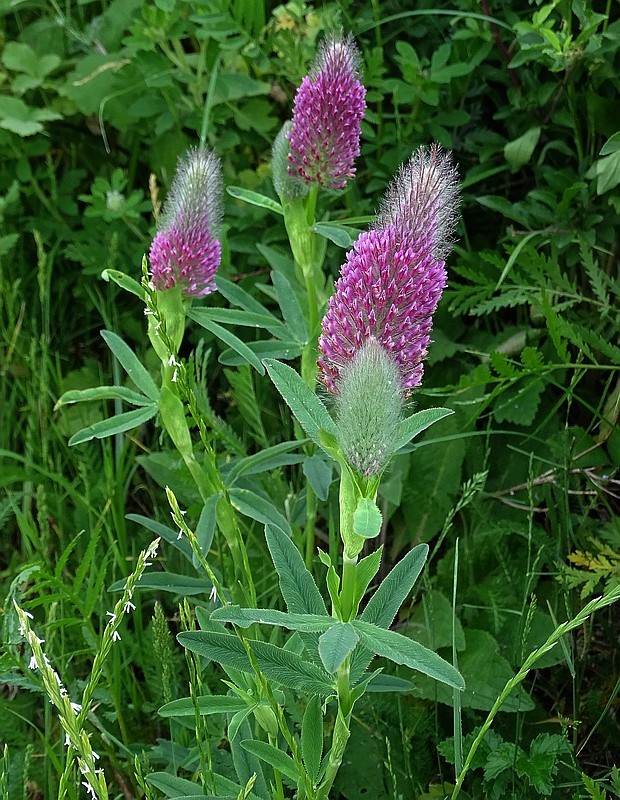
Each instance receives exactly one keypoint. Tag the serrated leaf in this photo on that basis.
(336, 644)
(303, 402)
(118, 424)
(367, 519)
(254, 198)
(312, 738)
(207, 704)
(271, 755)
(131, 364)
(414, 425)
(401, 650)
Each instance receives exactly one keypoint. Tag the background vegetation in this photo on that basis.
(97, 100)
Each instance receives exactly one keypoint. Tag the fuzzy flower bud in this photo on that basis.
(392, 280)
(369, 408)
(288, 187)
(329, 108)
(185, 252)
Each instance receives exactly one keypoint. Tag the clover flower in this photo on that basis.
(329, 108)
(393, 277)
(186, 252)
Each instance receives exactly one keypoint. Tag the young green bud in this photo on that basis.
(369, 408)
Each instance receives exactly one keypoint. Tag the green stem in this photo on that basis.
(347, 593)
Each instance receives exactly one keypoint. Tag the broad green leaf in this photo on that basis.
(247, 765)
(312, 738)
(297, 585)
(258, 508)
(519, 151)
(277, 664)
(264, 460)
(367, 519)
(173, 786)
(228, 338)
(124, 281)
(244, 617)
(207, 704)
(414, 425)
(319, 473)
(303, 402)
(118, 424)
(336, 644)
(103, 393)
(167, 534)
(392, 593)
(247, 319)
(184, 585)
(130, 363)
(254, 198)
(271, 755)
(338, 234)
(289, 305)
(401, 650)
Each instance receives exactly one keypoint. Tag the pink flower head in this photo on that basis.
(185, 252)
(392, 280)
(329, 108)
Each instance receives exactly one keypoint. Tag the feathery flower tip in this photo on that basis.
(329, 108)
(185, 252)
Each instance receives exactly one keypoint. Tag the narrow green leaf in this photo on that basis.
(319, 473)
(207, 704)
(103, 393)
(297, 585)
(258, 508)
(124, 281)
(312, 738)
(401, 650)
(416, 423)
(254, 198)
(303, 402)
(247, 319)
(289, 305)
(130, 363)
(365, 572)
(262, 350)
(244, 617)
(336, 644)
(118, 424)
(259, 462)
(167, 534)
(230, 339)
(271, 755)
(338, 234)
(237, 296)
(205, 529)
(184, 585)
(389, 683)
(367, 519)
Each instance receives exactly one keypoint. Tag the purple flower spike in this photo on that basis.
(185, 252)
(329, 108)
(393, 277)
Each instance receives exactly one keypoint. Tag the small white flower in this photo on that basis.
(175, 375)
(27, 614)
(89, 789)
(112, 615)
(179, 535)
(67, 740)
(76, 707)
(116, 637)
(213, 594)
(32, 663)
(129, 606)
(96, 757)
